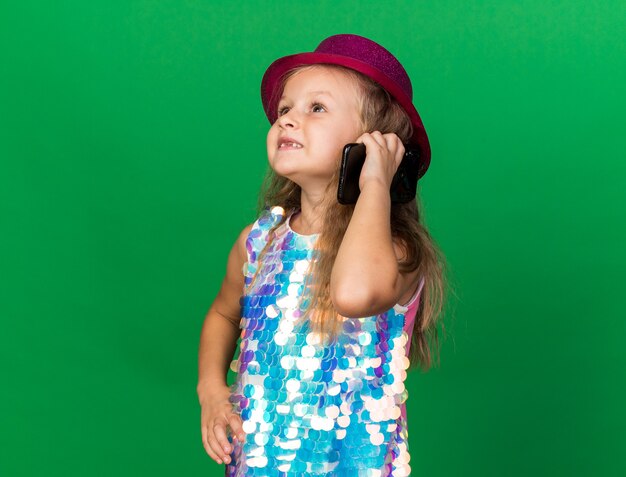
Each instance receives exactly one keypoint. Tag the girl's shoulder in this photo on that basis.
(258, 234)
(269, 217)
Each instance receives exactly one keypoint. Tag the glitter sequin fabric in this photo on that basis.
(310, 410)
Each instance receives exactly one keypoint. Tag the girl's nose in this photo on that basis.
(288, 119)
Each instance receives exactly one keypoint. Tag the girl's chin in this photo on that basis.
(285, 166)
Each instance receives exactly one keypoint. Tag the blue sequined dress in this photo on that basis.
(310, 410)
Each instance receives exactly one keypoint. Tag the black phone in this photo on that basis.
(403, 185)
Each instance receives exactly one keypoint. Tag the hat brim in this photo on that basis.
(279, 67)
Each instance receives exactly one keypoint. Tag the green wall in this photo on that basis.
(132, 147)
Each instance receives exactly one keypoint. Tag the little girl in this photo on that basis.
(325, 297)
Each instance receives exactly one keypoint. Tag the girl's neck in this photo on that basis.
(311, 216)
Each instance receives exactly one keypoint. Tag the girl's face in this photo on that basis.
(317, 116)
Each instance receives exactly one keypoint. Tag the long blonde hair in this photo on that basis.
(379, 112)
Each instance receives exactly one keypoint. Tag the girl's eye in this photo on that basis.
(314, 107)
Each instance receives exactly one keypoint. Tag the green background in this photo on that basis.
(132, 147)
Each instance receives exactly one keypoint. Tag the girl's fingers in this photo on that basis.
(395, 148)
(236, 426)
(369, 140)
(222, 440)
(218, 449)
(393, 143)
(386, 142)
(379, 138)
(386, 150)
(371, 144)
(207, 446)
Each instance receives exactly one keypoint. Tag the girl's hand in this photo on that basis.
(216, 416)
(383, 156)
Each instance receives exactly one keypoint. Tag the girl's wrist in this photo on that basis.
(375, 184)
(208, 387)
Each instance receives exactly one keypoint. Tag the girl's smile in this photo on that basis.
(287, 143)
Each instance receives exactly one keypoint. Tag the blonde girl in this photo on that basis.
(332, 303)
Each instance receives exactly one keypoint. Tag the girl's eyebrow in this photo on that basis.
(311, 93)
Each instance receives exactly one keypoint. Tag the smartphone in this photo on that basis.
(403, 185)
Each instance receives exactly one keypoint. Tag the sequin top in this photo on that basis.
(310, 410)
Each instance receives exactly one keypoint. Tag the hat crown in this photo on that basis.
(368, 51)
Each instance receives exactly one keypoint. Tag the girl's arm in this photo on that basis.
(217, 347)
(365, 279)
(221, 325)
